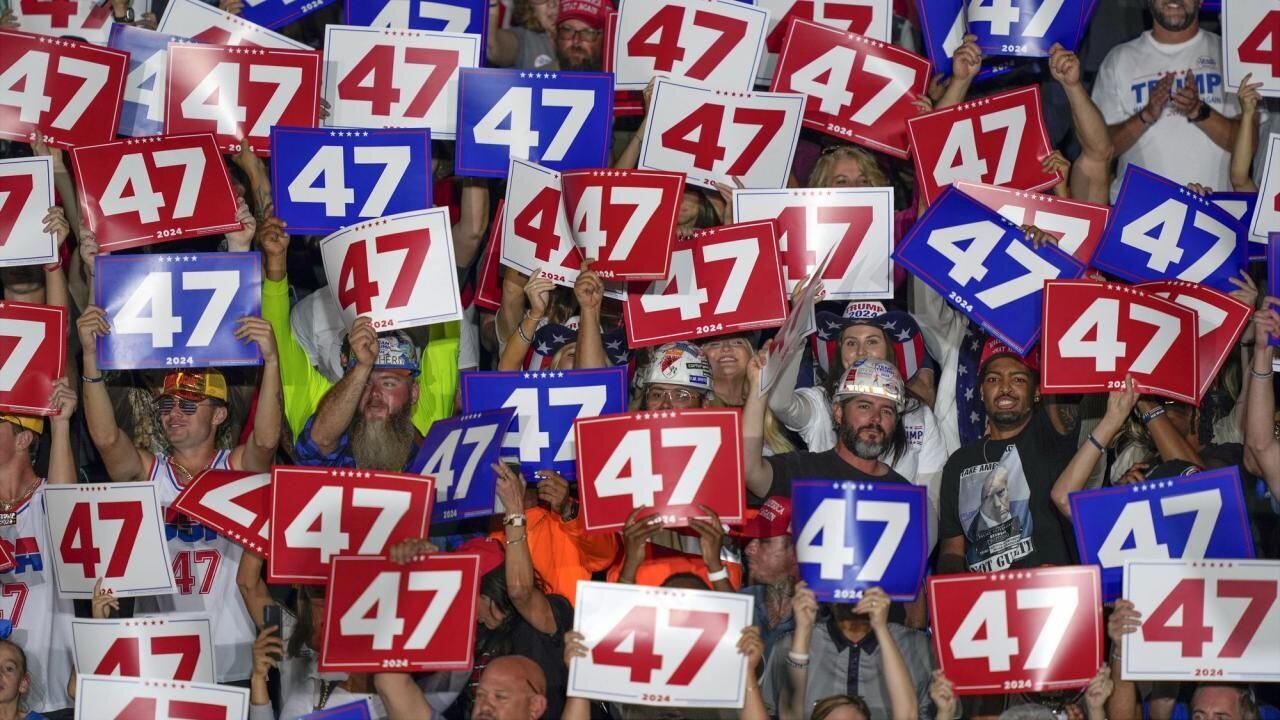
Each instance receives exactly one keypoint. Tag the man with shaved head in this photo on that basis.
(512, 687)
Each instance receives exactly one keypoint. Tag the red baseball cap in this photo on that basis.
(490, 551)
(592, 12)
(996, 349)
(773, 519)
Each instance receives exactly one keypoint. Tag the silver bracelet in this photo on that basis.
(1261, 376)
(520, 329)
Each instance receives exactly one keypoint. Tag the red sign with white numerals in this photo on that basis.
(141, 191)
(856, 88)
(233, 502)
(33, 355)
(416, 617)
(1077, 225)
(670, 461)
(489, 285)
(89, 20)
(1096, 333)
(7, 562)
(70, 91)
(717, 42)
(623, 221)
(108, 531)
(1220, 319)
(721, 280)
(998, 140)
(162, 648)
(240, 92)
(1018, 631)
(318, 514)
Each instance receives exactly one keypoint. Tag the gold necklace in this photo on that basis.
(8, 517)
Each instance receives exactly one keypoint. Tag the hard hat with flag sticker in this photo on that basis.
(869, 376)
(680, 363)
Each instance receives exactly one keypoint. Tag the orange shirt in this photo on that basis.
(563, 553)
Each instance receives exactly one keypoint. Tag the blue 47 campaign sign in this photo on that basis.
(177, 310)
(546, 403)
(326, 179)
(459, 452)
(1190, 517)
(142, 113)
(278, 13)
(358, 710)
(984, 265)
(1160, 230)
(943, 27)
(455, 16)
(1241, 206)
(1028, 27)
(560, 120)
(851, 536)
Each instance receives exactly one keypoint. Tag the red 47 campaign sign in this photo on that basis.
(70, 91)
(240, 92)
(398, 270)
(857, 222)
(716, 42)
(670, 461)
(1078, 225)
(1220, 319)
(141, 191)
(121, 698)
(232, 502)
(416, 617)
(721, 280)
(168, 648)
(1099, 332)
(112, 531)
(660, 646)
(1022, 630)
(997, 140)
(87, 19)
(322, 513)
(1203, 619)
(868, 18)
(26, 194)
(33, 355)
(855, 88)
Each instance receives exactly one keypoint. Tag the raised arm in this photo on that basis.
(253, 589)
(257, 454)
(897, 676)
(1263, 456)
(62, 462)
(538, 291)
(124, 461)
(339, 405)
(468, 233)
(522, 582)
(1124, 701)
(1073, 478)
(759, 473)
(630, 155)
(1091, 173)
(965, 64)
(259, 190)
(589, 291)
(1246, 137)
(791, 699)
(401, 696)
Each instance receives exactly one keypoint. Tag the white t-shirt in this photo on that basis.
(1172, 147)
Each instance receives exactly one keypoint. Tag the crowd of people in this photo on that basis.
(966, 420)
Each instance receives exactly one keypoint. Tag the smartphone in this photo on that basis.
(273, 615)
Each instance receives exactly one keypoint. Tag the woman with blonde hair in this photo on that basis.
(529, 43)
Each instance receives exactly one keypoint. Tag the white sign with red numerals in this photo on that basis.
(1021, 630)
(86, 19)
(120, 698)
(856, 88)
(715, 136)
(716, 42)
(1251, 45)
(69, 91)
(240, 92)
(33, 355)
(232, 502)
(321, 513)
(856, 222)
(670, 461)
(379, 77)
(1099, 332)
(1220, 319)
(164, 648)
(624, 221)
(207, 24)
(1266, 213)
(660, 646)
(868, 18)
(112, 531)
(398, 270)
(1077, 225)
(145, 190)
(535, 230)
(416, 617)
(722, 280)
(26, 194)
(997, 140)
(1203, 621)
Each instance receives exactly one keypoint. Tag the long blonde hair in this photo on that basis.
(867, 163)
(774, 438)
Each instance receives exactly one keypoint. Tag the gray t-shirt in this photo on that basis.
(534, 51)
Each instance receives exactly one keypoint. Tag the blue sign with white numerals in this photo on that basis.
(943, 28)
(142, 112)
(1189, 517)
(1160, 230)
(1241, 206)
(851, 536)
(358, 710)
(459, 452)
(177, 310)
(560, 120)
(278, 13)
(324, 179)
(1028, 28)
(985, 266)
(455, 16)
(546, 403)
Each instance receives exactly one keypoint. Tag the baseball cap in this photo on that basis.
(680, 363)
(490, 551)
(195, 384)
(773, 519)
(26, 422)
(995, 348)
(870, 376)
(592, 12)
(396, 351)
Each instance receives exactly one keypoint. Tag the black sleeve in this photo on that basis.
(949, 524)
(782, 474)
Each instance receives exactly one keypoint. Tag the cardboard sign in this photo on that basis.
(207, 24)
(715, 42)
(868, 18)
(1220, 320)
(466, 484)
(278, 13)
(1266, 214)
(143, 112)
(232, 502)
(1077, 225)
(1250, 33)
(33, 355)
(143, 699)
(26, 194)
(943, 27)
(87, 20)
(161, 648)
(451, 16)
(1028, 28)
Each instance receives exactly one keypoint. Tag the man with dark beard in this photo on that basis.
(580, 34)
(365, 421)
(1163, 97)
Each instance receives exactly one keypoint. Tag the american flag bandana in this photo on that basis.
(971, 412)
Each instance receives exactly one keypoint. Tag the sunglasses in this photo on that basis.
(166, 403)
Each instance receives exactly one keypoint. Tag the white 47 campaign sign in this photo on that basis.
(1251, 45)
(164, 648)
(398, 270)
(379, 77)
(856, 222)
(1208, 619)
(121, 698)
(204, 23)
(112, 531)
(717, 42)
(26, 194)
(660, 646)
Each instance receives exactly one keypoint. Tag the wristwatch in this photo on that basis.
(1202, 114)
(514, 520)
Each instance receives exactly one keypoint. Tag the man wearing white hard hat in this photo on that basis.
(678, 377)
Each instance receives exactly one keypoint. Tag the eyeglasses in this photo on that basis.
(589, 34)
(544, 2)
(167, 403)
(655, 396)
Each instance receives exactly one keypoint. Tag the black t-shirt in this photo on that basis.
(802, 465)
(996, 494)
